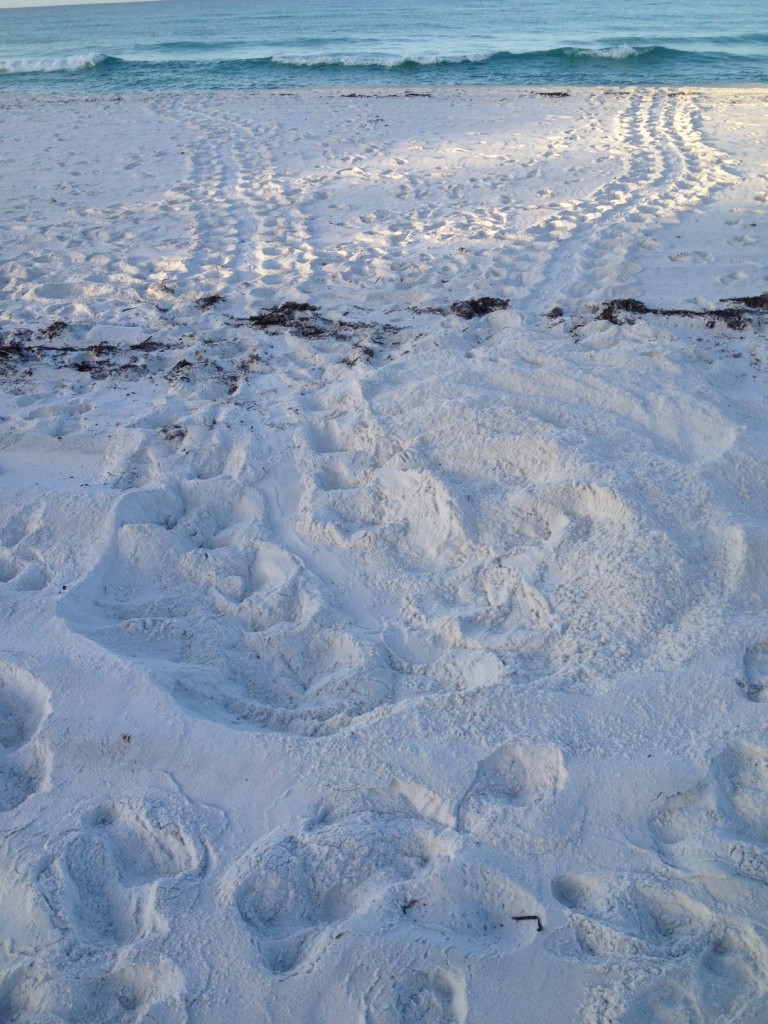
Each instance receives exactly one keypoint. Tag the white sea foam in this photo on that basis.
(619, 52)
(321, 60)
(44, 65)
(376, 60)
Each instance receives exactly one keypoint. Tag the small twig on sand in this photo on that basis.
(531, 917)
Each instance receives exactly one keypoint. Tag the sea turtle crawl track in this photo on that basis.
(666, 170)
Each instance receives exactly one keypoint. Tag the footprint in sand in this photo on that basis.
(721, 820)
(515, 776)
(129, 461)
(381, 874)
(124, 996)
(58, 419)
(133, 993)
(427, 996)
(407, 509)
(107, 885)
(24, 760)
(726, 982)
(370, 491)
(23, 568)
(646, 918)
(755, 674)
(234, 626)
(472, 904)
(714, 831)
(25, 995)
(21, 563)
(308, 887)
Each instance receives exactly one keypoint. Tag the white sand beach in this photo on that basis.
(371, 654)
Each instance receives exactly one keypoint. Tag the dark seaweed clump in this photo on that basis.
(734, 317)
(611, 309)
(751, 301)
(208, 302)
(299, 316)
(468, 309)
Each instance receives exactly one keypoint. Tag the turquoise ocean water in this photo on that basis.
(182, 45)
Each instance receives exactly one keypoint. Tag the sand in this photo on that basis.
(372, 655)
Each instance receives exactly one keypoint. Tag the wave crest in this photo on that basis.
(48, 65)
(620, 52)
(376, 61)
(209, 64)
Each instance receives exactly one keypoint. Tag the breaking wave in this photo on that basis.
(215, 66)
(49, 65)
(499, 57)
(620, 52)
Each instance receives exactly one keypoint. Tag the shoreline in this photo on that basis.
(385, 92)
